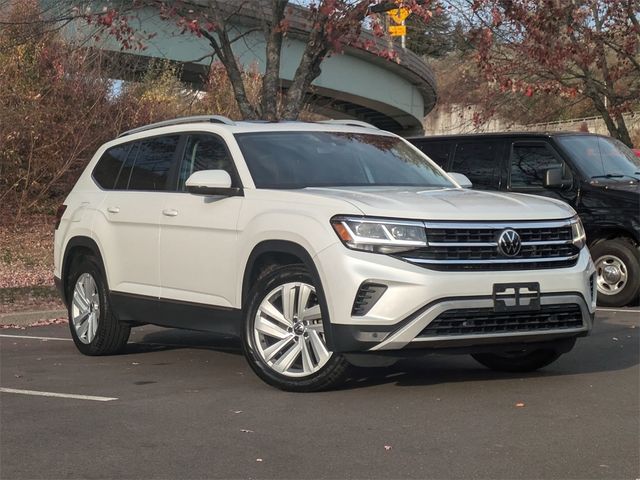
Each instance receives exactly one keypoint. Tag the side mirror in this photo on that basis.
(553, 178)
(461, 179)
(211, 182)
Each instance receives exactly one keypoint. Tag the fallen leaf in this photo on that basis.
(54, 321)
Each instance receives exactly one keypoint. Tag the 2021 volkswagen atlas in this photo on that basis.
(320, 244)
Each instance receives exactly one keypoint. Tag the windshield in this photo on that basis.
(600, 157)
(331, 159)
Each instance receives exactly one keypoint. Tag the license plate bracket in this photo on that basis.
(516, 297)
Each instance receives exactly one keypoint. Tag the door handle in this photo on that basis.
(170, 212)
(113, 209)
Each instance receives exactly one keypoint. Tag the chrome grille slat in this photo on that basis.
(521, 260)
(518, 225)
(474, 246)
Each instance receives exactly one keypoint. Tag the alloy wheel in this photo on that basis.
(288, 330)
(85, 308)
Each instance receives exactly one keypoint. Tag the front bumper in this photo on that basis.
(416, 296)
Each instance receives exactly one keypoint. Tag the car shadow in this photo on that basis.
(613, 345)
(173, 339)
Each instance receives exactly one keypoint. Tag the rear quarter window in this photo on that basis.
(108, 167)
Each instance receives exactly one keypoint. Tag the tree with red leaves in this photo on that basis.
(325, 26)
(571, 48)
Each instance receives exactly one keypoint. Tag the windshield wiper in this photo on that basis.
(617, 175)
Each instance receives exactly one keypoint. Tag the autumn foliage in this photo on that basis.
(58, 105)
(571, 49)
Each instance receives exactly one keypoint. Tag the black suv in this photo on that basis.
(597, 175)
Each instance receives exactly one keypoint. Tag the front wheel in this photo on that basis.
(517, 361)
(617, 264)
(283, 336)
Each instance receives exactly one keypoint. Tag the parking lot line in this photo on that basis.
(44, 339)
(34, 338)
(59, 395)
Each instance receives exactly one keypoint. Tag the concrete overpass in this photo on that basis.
(356, 84)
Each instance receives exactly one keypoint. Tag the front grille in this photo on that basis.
(452, 234)
(474, 246)
(485, 321)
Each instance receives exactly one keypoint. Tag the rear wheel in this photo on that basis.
(283, 336)
(617, 264)
(94, 328)
(517, 361)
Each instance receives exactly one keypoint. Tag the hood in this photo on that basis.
(446, 203)
(621, 198)
(619, 186)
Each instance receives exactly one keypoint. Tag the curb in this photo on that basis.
(24, 319)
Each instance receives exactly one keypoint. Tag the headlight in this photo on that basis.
(380, 236)
(578, 234)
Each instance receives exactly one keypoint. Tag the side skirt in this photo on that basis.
(176, 314)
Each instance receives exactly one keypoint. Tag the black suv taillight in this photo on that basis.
(59, 214)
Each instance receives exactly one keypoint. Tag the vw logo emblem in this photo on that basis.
(509, 243)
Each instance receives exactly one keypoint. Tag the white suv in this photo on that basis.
(320, 244)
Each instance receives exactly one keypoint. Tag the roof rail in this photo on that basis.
(180, 121)
(353, 123)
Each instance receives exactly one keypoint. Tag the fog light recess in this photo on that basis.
(367, 296)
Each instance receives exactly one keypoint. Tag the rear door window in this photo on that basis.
(529, 163)
(153, 163)
(125, 172)
(480, 162)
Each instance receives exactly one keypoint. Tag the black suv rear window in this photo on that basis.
(480, 162)
(436, 151)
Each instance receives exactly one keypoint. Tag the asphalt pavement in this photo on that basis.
(186, 405)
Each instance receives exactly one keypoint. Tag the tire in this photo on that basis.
(517, 362)
(282, 346)
(100, 333)
(621, 286)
